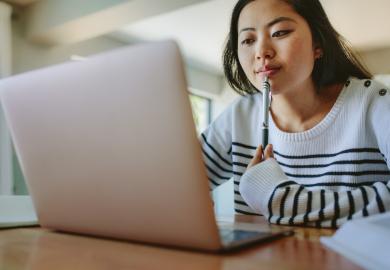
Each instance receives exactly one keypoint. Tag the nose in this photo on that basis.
(264, 50)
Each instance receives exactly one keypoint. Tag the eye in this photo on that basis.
(281, 33)
(247, 42)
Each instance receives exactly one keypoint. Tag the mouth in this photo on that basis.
(268, 71)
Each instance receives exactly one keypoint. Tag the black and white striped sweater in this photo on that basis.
(336, 171)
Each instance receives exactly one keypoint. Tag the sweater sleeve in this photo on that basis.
(378, 119)
(216, 148)
(267, 190)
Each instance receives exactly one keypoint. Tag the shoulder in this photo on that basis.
(372, 99)
(246, 104)
(242, 106)
(369, 89)
(240, 111)
(365, 94)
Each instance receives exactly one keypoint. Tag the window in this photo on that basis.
(201, 110)
(19, 185)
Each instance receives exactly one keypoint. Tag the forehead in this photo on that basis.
(260, 12)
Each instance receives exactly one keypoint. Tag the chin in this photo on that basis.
(274, 89)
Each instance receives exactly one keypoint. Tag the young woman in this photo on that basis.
(329, 134)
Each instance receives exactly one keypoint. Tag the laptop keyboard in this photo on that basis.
(233, 235)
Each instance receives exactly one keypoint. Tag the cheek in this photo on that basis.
(300, 53)
(245, 58)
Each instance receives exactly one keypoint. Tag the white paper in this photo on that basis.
(16, 211)
(365, 241)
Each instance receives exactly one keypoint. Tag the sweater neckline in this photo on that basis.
(317, 129)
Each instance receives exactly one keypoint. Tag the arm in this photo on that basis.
(216, 158)
(267, 190)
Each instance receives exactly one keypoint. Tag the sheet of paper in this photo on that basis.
(365, 241)
(16, 211)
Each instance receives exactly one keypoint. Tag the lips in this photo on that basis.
(268, 70)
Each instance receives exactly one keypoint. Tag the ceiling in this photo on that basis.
(201, 29)
(21, 3)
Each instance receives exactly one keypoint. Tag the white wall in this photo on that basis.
(28, 56)
(377, 61)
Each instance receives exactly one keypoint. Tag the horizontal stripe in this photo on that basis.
(354, 150)
(338, 174)
(240, 199)
(223, 177)
(327, 184)
(216, 163)
(331, 184)
(216, 174)
(214, 182)
(244, 145)
(241, 202)
(314, 166)
(240, 164)
(344, 162)
(242, 155)
(286, 184)
(246, 213)
(215, 151)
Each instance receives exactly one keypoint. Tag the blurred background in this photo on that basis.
(40, 33)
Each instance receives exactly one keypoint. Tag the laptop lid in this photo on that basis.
(108, 147)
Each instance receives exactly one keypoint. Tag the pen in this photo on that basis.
(266, 98)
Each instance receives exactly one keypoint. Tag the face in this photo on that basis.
(275, 41)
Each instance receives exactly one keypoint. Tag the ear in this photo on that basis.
(318, 53)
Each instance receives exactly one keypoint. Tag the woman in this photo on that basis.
(329, 131)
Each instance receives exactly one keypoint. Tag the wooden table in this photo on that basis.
(37, 248)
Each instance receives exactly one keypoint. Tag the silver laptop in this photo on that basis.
(108, 148)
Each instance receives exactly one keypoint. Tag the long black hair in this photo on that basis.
(337, 63)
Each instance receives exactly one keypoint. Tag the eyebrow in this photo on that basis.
(271, 23)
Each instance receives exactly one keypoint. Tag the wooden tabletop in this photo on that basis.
(37, 248)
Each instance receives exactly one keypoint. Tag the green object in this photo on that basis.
(20, 187)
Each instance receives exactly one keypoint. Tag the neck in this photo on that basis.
(303, 108)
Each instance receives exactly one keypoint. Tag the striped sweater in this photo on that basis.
(336, 171)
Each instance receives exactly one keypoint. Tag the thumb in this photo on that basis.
(257, 158)
(268, 152)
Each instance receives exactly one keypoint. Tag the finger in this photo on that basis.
(257, 158)
(269, 152)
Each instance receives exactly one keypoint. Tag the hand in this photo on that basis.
(259, 157)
